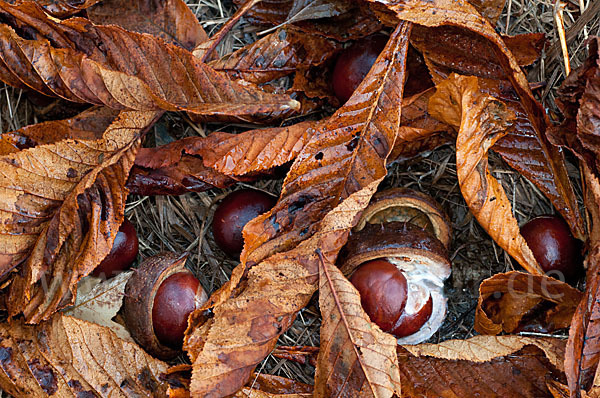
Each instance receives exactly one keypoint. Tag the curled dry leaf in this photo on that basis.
(245, 327)
(343, 156)
(447, 26)
(99, 301)
(66, 357)
(517, 301)
(187, 175)
(171, 20)
(278, 54)
(459, 101)
(482, 366)
(197, 164)
(62, 205)
(356, 357)
(110, 66)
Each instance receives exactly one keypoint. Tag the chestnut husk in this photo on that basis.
(419, 255)
(408, 205)
(139, 300)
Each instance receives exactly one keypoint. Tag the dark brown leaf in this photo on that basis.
(515, 301)
(482, 366)
(171, 20)
(62, 8)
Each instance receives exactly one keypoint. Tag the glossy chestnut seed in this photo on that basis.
(175, 300)
(123, 253)
(553, 246)
(409, 324)
(383, 292)
(233, 214)
(354, 63)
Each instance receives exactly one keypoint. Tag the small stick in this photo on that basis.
(560, 27)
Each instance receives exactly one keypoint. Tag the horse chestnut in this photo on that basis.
(175, 300)
(123, 253)
(384, 292)
(159, 298)
(354, 63)
(233, 214)
(553, 245)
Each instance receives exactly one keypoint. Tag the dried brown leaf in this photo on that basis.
(459, 101)
(61, 207)
(171, 20)
(356, 357)
(276, 55)
(472, 38)
(106, 65)
(66, 357)
(516, 301)
(482, 366)
(98, 301)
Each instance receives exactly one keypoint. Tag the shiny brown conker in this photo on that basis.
(159, 297)
(354, 63)
(123, 253)
(383, 292)
(176, 298)
(553, 246)
(233, 213)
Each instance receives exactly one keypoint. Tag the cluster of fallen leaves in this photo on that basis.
(445, 76)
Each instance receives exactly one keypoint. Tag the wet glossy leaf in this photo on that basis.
(483, 120)
(67, 357)
(171, 20)
(61, 206)
(515, 301)
(356, 357)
